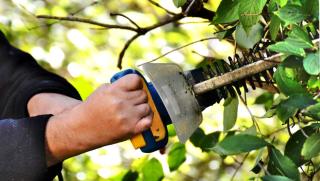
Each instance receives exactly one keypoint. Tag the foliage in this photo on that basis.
(279, 137)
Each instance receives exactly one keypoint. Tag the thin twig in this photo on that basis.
(186, 12)
(142, 31)
(240, 165)
(288, 128)
(124, 49)
(126, 17)
(84, 7)
(251, 115)
(87, 21)
(302, 131)
(176, 49)
(161, 7)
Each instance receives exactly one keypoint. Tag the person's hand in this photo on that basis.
(113, 113)
(119, 110)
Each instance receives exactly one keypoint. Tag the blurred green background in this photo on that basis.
(87, 55)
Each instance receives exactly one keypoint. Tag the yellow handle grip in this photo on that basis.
(157, 127)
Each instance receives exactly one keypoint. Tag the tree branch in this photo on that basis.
(142, 31)
(87, 21)
(126, 17)
(161, 7)
(124, 49)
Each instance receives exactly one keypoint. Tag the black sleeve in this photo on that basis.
(22, 149)
(21, 78)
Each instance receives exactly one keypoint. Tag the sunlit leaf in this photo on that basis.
(311, 147)
(291, 14)
(287, 48)
(275, 23)
(179, 3)
(286, 83)
(227, 12)
(314, 83)
(299, 38)
(250, 38)
(152, 170)
(239, 144)
(230, 112)
(312, 63)
(176, 156)
(249, 12)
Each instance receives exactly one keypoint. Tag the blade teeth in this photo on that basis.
(258, 52)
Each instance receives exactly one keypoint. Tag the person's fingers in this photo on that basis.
(129, 82)
(140, 98)
(144, 124)
(143, 110)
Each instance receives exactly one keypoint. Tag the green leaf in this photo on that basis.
(179, 3)
(299, 38)
(282, 165)
(287, 48)
(314, 83)
(209, 141)
(275, 23)
(258, 163)
(250, 131)
(176, 156)
(203, 141)
(248, 39)
(227, 12)
(226, 33)
(311, 147)
(282, 2)
(312, 63)
(312, 7)
(294, 145)
(266, 99)
(249, 12)
(152, 170)
(286, 82)
(291, 14)
(313, 111)
(197, 136)
(130, 176)
(275, 178)
(171, 130)
(270, 113)
(289, 107)
(230, 113)
(240, 143)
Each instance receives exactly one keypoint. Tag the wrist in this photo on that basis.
(67, 135)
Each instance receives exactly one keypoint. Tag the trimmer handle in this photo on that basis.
(156, 137)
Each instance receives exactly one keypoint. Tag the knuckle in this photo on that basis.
(144, 95)
(135, 80)
(146, 108)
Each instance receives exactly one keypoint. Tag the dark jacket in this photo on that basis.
(22, 149)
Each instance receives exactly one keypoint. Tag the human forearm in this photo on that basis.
(50, 103)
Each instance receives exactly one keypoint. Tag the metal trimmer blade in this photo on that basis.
(177, 96)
